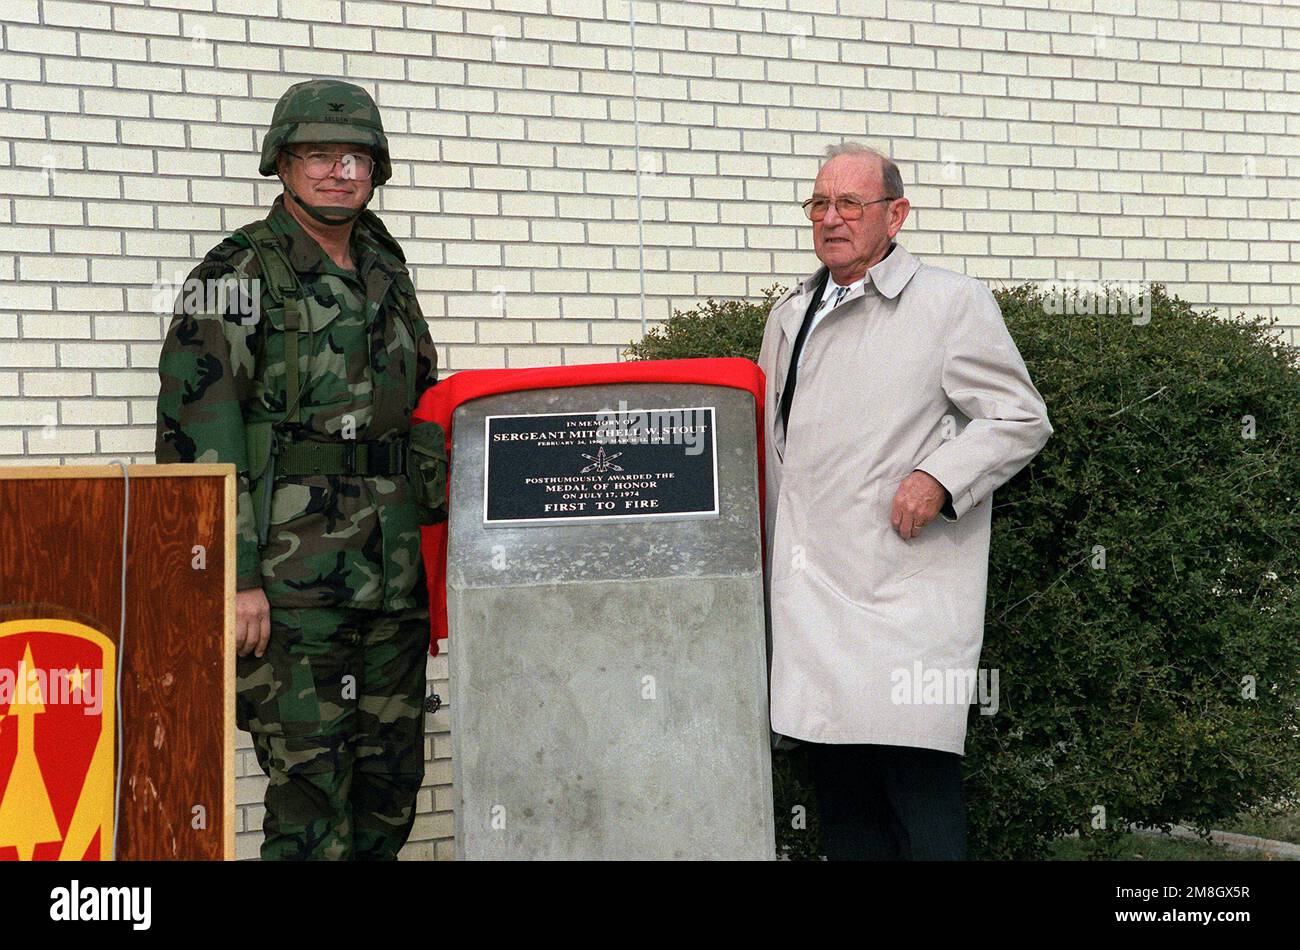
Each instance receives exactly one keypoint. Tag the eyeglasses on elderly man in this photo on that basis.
(848, 208)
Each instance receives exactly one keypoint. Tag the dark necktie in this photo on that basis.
(792, 374)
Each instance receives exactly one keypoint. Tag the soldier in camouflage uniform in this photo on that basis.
(304, 372)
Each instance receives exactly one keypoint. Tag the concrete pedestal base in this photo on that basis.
(609, 681)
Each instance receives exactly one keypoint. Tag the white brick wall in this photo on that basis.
(1039, 139)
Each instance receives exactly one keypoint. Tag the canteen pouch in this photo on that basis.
(259, 439)
(426, 466)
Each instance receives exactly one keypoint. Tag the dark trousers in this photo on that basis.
(889, 803)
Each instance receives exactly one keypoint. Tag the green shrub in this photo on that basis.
(1144, 585)
(714, 328)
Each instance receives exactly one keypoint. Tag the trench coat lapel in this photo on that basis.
(891, 275)
(888, 277)
(793, 309)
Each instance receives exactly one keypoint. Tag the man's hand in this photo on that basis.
(917, 501)
(252, 621)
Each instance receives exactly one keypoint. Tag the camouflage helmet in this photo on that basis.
(331, 111)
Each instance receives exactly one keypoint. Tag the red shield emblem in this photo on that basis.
(57, 716)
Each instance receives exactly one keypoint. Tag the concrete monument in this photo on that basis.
(608, 668)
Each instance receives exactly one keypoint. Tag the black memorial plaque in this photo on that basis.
(599, 466)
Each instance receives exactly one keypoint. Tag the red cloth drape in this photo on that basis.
(440, 401)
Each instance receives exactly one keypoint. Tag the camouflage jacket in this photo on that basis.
(333, 540)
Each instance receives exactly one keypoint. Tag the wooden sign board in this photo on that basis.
(89, 679)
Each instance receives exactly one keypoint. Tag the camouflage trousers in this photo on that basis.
(336, 711)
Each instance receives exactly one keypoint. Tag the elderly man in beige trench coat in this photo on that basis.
(905, 406)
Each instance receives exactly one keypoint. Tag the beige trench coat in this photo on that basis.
(917, 371)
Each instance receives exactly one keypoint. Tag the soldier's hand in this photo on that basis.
(252, 621)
